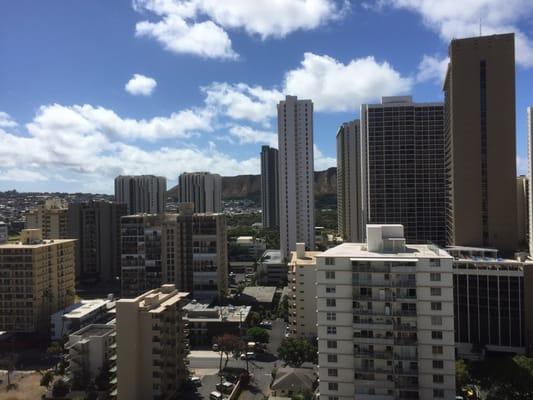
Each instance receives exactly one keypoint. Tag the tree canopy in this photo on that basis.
(295, 351)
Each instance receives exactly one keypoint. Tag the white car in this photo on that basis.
(195, 380)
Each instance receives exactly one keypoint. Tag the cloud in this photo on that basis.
(140, 85)
(522, 165)
(21, 175)
(246, 135)
(432, 68)
(322, 161)
(200, 26)
(241, 101)
(6, 121)
(453, 19)
(334, 86)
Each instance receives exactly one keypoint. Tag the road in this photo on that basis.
(205, 364)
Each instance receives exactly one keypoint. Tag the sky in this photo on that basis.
(93, 89)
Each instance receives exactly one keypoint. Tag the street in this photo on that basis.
(205, 364)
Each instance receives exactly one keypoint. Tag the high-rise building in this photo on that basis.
(270, 187)
(203, 189)
(302, 294)
(50, 218)
(4, 233)
(141, 193)
(480, 131)
(195, 252)
(404, 170)
(530, 189)
(186, 249)
(522, 213)
(152, 345)
(349, 208)
(489, 307)
(296, 174)
(140, 237)
(37, 279)
(385, 319)
(96, 226)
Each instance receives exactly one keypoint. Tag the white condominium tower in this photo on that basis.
(349, 210)
(296, 173)
(141, 193)
(203, 189)
(385, 319)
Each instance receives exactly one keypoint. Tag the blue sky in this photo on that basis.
(93, 89)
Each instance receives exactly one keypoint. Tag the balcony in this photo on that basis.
(405, 328)
(405, 356)
(406, 371)
(382, 355)
(365, 370)
(404, 341)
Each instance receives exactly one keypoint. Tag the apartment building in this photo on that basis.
(302, 292)
(269, 187)
(296, 174)
(152, 345)
(96, 226)
(489, 307)
(194, 252)
(522, 211)
(36, 280)
(203, 189)
(271, 269)
(404, 170)
(141, 253)
(50, 218)
(349, 164)
(385, 319)
(141, 193)
(480, 129)
(91, 351)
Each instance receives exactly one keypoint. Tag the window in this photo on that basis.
(333, 386)
(434, 262)
(332, 358)
(332, 372)
(436, 306)
(438, 393)
(436, 320)
(436, 291)
(437, 349)
(330, 289)
(330, 274)
(434, 277)
(332, 330)
(331, 316)
(331, 302)
(438, 364)
(332, 344)
(333, 398)
(438, 378)
(330, 261)
(436, 335)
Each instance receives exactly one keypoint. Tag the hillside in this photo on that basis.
(249, 187)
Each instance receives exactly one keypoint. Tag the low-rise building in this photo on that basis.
(36, 280)
(302, 292)
(91, 352)
(257, 296)
(206, 323)
(79, 315)
(152, 344)
(271, 270)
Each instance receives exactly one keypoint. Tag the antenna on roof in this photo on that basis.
(480, 26)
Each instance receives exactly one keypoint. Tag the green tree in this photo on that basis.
(47, 379)
(283, 308)
(257, 334)
(295, 351)
(228, 345)
(462, 376)
(60, 389)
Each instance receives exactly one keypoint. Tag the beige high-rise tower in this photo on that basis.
(50, 218)
(480, 127)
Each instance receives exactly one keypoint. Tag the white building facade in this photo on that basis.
(296, 174)
(385, 319)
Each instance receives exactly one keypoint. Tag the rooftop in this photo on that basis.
(94, 330)
(262, 294)
(359, 250)
(271, 257)
(85, 308)
(308, 259)
(202, 312)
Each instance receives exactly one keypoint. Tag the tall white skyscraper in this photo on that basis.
(141, 193)
(203, 189)
(530, 155)
(296, 179)
(349, 181)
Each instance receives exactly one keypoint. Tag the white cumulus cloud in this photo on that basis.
(22, 175)
(140, 85)
(432, 68)
(456, 19)
(246, 134)
(200, 26)
(6, 121)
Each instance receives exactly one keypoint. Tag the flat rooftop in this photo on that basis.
(94, 330)
(202, 312)
(34, 245)
(262, 294)
(309, 258)
(85, 308)
(359, 250)
(271, 257)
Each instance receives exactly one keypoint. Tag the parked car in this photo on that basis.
(266, 324)
(195, 380)
(215, 347)
(215, 395)
(249, 355)
(225, 387)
